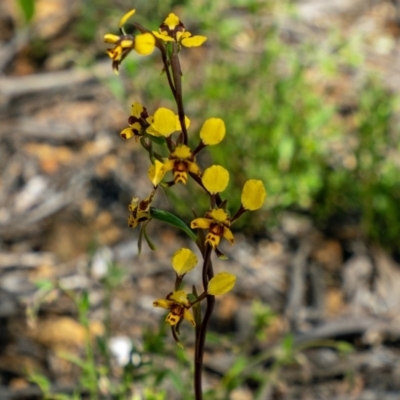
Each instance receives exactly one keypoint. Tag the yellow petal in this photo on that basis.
(163, 303)
(110, 38)
(172, 21)
(194, 168)
(201, 223)
(133, 221)
(193, 41)
(169, 165)
(182, 152)
(221, 283)
(253, 195)
(178, 123)
(153, 132)
(163, 36)
(126, 133)
(134, 204)
(164, 122)
(188, 316)
(213, 240)
(228, 235)
(125, 18)
(179, 297)
(145, 43)
(172, 319)
(218, 214)
(183, 261)
(136, 109)
(213, 131)
(156, 173)
(126, 43)
(215, 179)
(116, 53)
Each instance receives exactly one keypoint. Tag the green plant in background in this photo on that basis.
(284, 127)
(164, 136)
(366, 188)
(28, 9)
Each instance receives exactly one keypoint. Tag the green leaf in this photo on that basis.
(45, 285)
(173, 220)
(344, 347)
(84, 303)
(148, 240)
(286, 150)
(288, 343)
(28, 8)
(72, 359)
(40, 380)
(156, 139)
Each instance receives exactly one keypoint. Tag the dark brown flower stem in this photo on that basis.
(177, 76)
(161, 47)
(202, 330)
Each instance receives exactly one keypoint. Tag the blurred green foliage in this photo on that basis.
(315, 153)
(28, 9)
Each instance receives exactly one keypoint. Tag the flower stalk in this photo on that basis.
(164, 135)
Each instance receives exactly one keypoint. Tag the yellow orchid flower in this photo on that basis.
(143, 43)
(181, 161)
(178, 304)
(140, 210)
(137, 122)
(173, 30)
(218, 224)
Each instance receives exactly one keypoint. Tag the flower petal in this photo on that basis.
(126, 43)
(213, 131)
(145, 43)
(173, 319)
(188, 316)
(163, 303)
(125, 18)
(221, 283)
(215, 179)
(137, 109)
(172, 21)
(110, 38)
(163, 36)
(201, 223)
(194, 168)
(253, 195)
(183, 261)
(179, 297)
(169, 165)
(218, 214)
(193, 41)
(156, 173)
(213, 240)
(228, 235)
(126, 133)
(164, 122)
(182, 152)
(178, 123)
